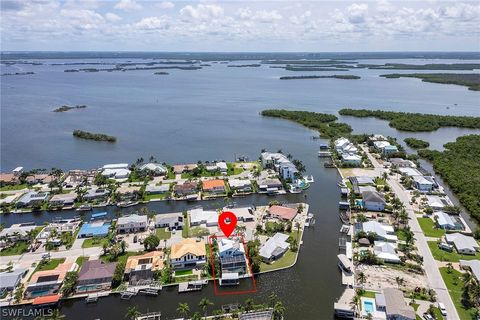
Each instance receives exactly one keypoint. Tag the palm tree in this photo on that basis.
(183, 309)
(272, 299)
(297, 227)
(449, 267)
(105, 247)
(362, 277)
(278, 311)
(356, 301)
(196, 316)
(248, 304)
(203, 304)
(132, 313)
(123, 246)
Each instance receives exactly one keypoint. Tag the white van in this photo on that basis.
(443, 311)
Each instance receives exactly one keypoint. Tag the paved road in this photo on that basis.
(435, 280)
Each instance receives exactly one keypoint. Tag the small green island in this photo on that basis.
(65, 108)
(162, 73)
(416, 143)
(322, 122)
(17, 73)
(335, 76)
(309, 62)
(312, 68)
(93, 136)
(470, 80)
(415, 122)
(459, 167)
(253, 65)
(428, 66)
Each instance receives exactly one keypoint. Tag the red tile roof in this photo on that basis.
(282, 212)
(46, 299)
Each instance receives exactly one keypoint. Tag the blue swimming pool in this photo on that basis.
(368, 306)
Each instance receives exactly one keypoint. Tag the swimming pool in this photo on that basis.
(368, 306)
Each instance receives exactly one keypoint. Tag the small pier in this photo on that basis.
(127, 295)
(310, 220)
(150, 316)
(190, 286)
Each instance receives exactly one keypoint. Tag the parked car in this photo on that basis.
(443, 311)
(428, 316)
(46, 255)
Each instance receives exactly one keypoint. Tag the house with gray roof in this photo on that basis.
(10, 280)
(373, 201)
(155, 168)
(274, 248)
(473, 266)
(17, 232)
(32, 198)
(391, 300)
(464, 244)
(95, 275)
(132, 223)
(172, 221)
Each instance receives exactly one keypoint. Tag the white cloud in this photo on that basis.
(201, 12)
(152, 23)
(302, 19)
(166, 5)
(357, 13)
(263, 16)
(112, 17)
(128, 5)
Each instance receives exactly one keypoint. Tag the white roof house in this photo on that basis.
(116, 173)
(17, 230)
(222, 166)
(341, 143)
(422, 184)
(381, 144)
(473, 265)
(133, 219)
(351, 158)
(152, 188)
(386, 251)
(444, 220)
(383, 231)
(116, 166)
(242, 214)
(154, 167)
(199, 216)
(230, 248)
(409, 172)
(464, 244)
(239, 183)
(274, 247)
(438, 202)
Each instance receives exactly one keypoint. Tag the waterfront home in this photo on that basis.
(222, 167)
(95, 275)
(256, 315)
(184, 168)
(188, 254)
(242, 214)
(373, 201)
(8, 179)
(392, 302)
(127, 193)
(58, 227)
(132, 223)
(16, 232)
(444, 221)
(280, 163)
(351, 159)
(282, 213)
(379, 145)
(382, 231)
(402, 163)
(437, 203)
(63, 199)
(48, 282)
(386, 251)
(345, 264)
(172, 221)
(409, 172)
(94, 229)
(274, 248)
(9, 199)
(31, 199)
(9, 280)
(116, 171)
(269, 185)
(143, 267)
(239, 186)
(154, 168)
(362, 181)
(154, 189)
(232, 256)
(77, 177)
(464, 244)
(96, 194)
(472, 265)
(422, 184)
(199, 216)
(185, 189)
(288, 171)
(215, 186)
(39, 178)
(341, 144)
(389, 150)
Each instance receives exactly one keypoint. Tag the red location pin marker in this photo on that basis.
(227, 221)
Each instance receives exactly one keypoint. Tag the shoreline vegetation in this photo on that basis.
(253, 65)
(415, 122)
(117, 68)
(17, 73)
(470, 80)
(459, 167)
(65, 108)
(324, 123)
(161, 73)
(415, 143)
(428, 66)
(313, 68)
(335, 76)
(93, 136)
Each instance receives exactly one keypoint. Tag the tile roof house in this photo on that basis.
(240, 185)
(188, 254)
(282, 213)
(132, 223)
(269, 185)
(128, 192)
(154, 189)
(96, 194)
(464, 244)
(181, 168)
(142, 267)
(214, 186)
(63, 199)
(95, 275)
(274, 248)
(8, 179)
(185, 189)
(48, 282)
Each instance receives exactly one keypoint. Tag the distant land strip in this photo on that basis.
(415, 121)
(470, 80)
(67, 108)
(93, 136)
(335, 76)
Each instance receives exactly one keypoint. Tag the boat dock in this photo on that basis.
(150, 316)
(191, 286)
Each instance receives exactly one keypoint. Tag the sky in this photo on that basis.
(240, 26)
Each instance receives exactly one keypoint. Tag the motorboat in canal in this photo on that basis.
(126, 204)
(84, 207)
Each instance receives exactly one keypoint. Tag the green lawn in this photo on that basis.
(438, 314)
(14, 187)
(442, 255)
(369, 294)
(18, 248)
(162, 196)
(429, 229)
(163, 233)
(198, 232)
(286, 261)
(48, 265)
(233, 169)
(81, 260)
(94, 242)
(454, 284)
(121, 258)
(180, 273)
(186, 227)
(401, 235)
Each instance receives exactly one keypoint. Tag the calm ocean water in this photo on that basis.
(208, 114)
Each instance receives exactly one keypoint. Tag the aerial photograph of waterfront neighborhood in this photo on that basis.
(250, 160)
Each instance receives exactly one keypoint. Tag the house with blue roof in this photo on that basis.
(94, 229)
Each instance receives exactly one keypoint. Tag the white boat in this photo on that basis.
(126, 204)
(84, 207)
(308, 179)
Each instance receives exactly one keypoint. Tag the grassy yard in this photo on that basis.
(429, 229)
(442, 255)
(18, 248)
(162, 196)
(94, 242)
(454, 284)
(198, 232)
(233, 169)
(368, 294)
(48, 265)
(401, 234)
(14, 187)
(121, 258)
(163, 233)
(286, 261)
(186, 227)
(81, 260)
(181, 273)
